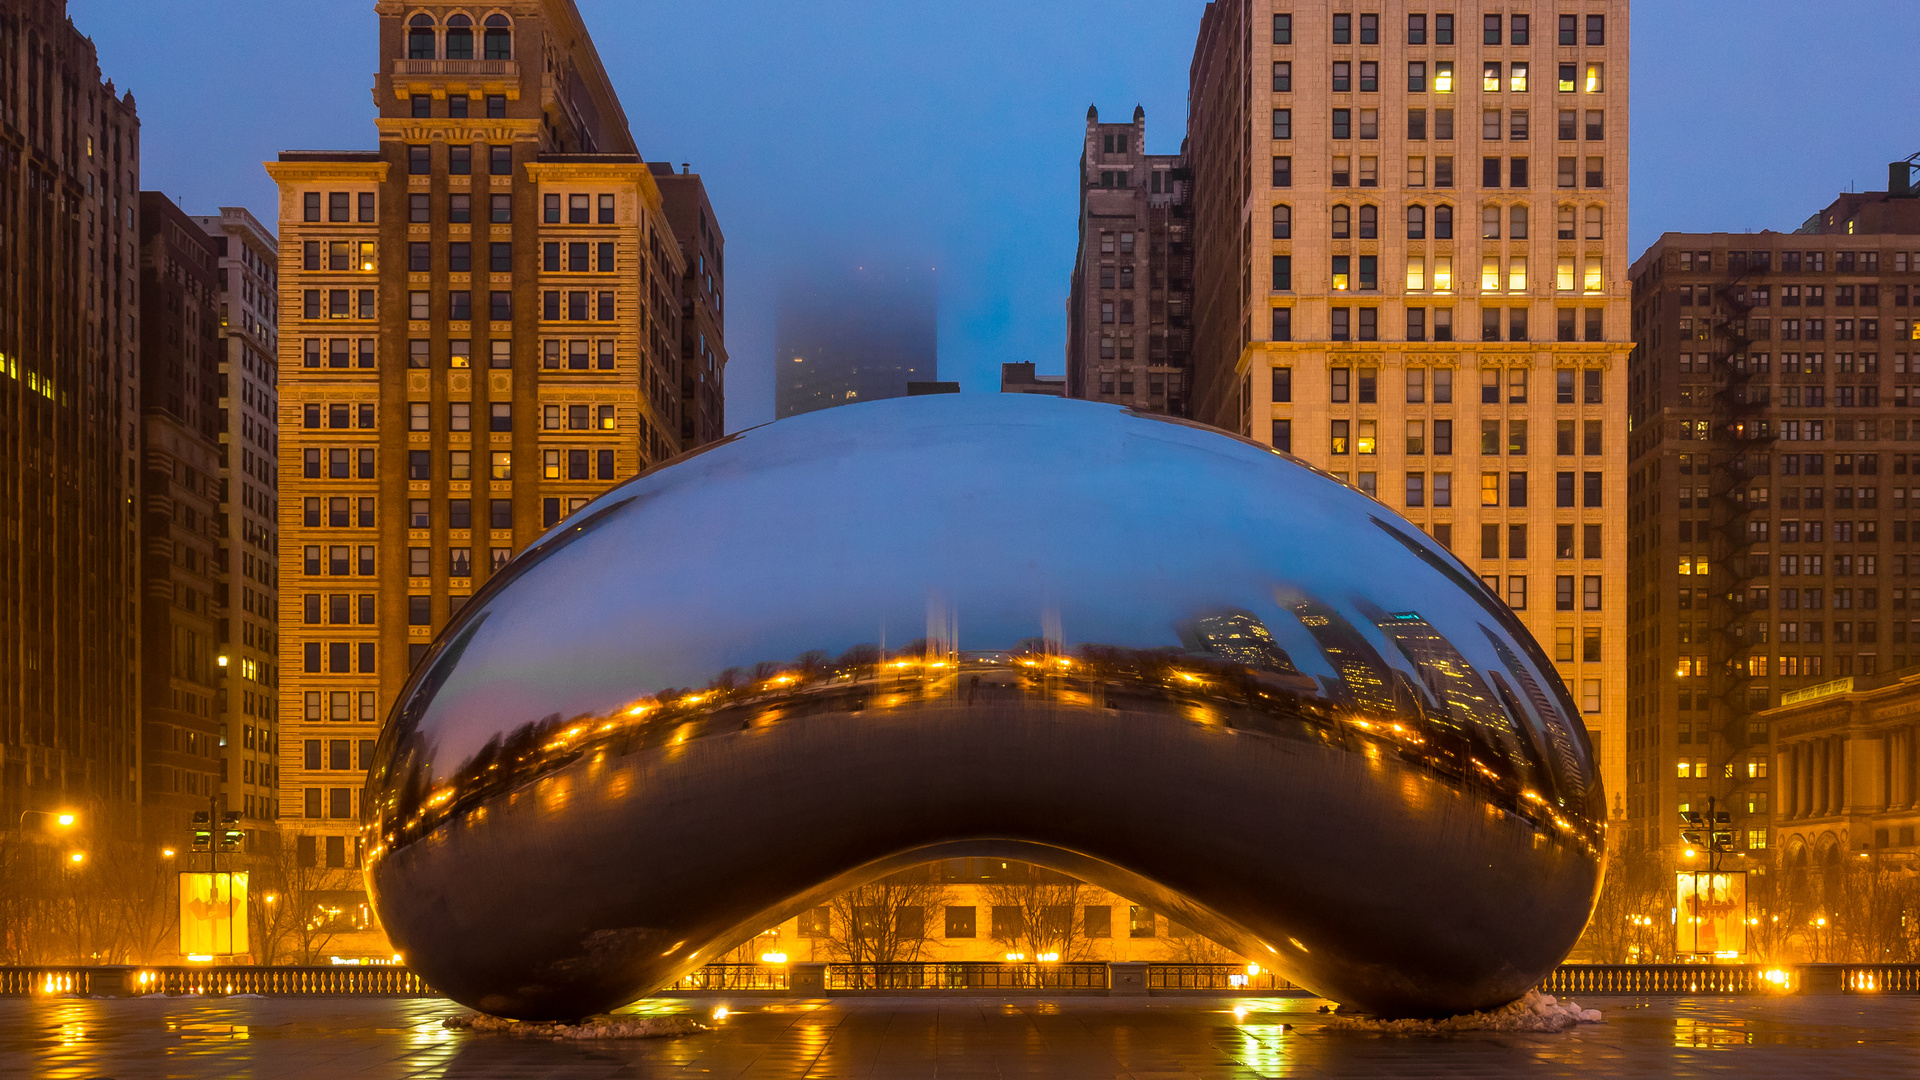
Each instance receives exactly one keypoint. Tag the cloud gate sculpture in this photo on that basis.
(1163, 659)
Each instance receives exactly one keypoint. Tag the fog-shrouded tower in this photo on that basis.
(855, 335)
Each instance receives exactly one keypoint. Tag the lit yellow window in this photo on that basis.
(1416, 274)
(1686, 565)
(1443, 274)
(503, 464)
(1443, 77)
(1593, 275)
(1490, 78)
(1596, 78)
(1563, 276)
(550, 465)
(366, 256)
(1517, 79)
(1369, 437)
(1686, 770)
(1490, 275)
(1517, 275)
(1489, 489)
(1757, 667)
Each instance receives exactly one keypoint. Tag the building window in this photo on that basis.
(498, 38)
(1283, 123)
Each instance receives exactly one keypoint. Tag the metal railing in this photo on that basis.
(1231, 978)
(732, 977)
(966, 976)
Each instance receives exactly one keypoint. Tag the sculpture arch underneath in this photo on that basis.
(1164, 660)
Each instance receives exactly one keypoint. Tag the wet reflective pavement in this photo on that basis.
(1151, 1039)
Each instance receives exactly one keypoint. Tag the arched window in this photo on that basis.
(459, 37)
(1416, 222)
(1369, 223)
(1566, 223)
(1490, 222)
(1443, 222)
(1517, 223)
(1342, 222)
(499, 39)
(420, 37)
(1283, 222)
(1595, 220)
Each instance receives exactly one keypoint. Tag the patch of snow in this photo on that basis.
(1534, 1012)
(596, 1027)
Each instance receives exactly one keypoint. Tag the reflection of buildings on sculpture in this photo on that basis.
(1236, 635)
(1362, 670)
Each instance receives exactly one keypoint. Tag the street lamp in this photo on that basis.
(64, 819)
(76, 858)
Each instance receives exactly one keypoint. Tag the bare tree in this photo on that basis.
(290, 914)
(884, 921)
(1630, 923)
(1042, 905)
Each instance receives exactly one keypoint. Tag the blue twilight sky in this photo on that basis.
(949, 133)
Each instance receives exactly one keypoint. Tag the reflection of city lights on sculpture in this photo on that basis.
(720, 1012)
(886, 646)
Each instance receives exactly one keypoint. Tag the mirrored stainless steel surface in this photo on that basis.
(1164, 659)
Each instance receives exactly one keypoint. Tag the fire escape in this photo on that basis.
(1739, 443)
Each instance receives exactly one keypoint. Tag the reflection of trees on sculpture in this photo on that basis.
(1042, 904)
(884, 921)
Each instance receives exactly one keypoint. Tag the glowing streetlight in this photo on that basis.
(65, 819)
(77, 858)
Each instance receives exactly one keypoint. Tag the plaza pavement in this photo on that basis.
(950, 1038)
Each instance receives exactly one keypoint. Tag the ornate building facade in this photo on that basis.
(480, 331)
(1414, 277)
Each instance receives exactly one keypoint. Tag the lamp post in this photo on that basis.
(65, 819)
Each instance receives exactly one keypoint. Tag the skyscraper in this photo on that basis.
(1768, 564)
(480, 331)
(180, 353)
(853, 335)
(1414, 277)
(1130, 313)
(247, 555)
(69, 430)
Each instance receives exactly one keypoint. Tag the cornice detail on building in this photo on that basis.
(296, 172)
(442, 130)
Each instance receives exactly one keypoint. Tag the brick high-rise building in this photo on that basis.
(247, 557)
(1130, 310)
(1773, 465)
(1414, 276)
(703, 290)
(69, 430)
(180, 354)
(479, 332)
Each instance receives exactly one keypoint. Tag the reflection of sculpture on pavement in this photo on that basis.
(1161, 659)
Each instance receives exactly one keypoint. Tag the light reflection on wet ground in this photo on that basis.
(1087, 1037)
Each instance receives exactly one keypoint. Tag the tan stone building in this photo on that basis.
(180, 354)
(1130, 311)
(479, 332)
(1771, 464)
(247, 557)
(1410, 242)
